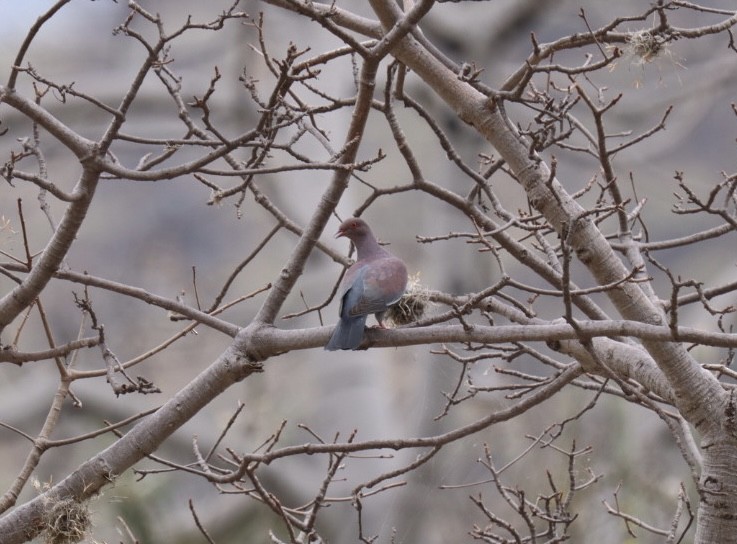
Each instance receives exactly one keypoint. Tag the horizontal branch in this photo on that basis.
(268, 341)
(117, 170)
(141, 294)
(20, 357)
(689, 239)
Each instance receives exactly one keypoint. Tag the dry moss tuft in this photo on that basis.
(66, 522)
(646, 46)
(413, 305)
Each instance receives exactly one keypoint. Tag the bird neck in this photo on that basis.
(368, 247)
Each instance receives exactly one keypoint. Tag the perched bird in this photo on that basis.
(373, 283)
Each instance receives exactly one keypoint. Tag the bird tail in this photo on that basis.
(348, 334)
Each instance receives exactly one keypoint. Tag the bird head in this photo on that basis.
(354, 229)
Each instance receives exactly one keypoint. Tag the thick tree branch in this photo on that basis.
(699, 394)
(231, 367)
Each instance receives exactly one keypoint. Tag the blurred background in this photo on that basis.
(151, 235)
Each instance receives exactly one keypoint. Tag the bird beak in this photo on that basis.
(340, 233)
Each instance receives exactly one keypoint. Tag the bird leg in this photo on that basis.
(380, 320)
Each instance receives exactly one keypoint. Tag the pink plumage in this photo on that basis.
(374, 282)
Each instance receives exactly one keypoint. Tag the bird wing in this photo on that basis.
(373, 286)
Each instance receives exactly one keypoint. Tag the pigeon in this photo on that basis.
(374, 282)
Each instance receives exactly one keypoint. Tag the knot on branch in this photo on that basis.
(730, 414)
(250, 349)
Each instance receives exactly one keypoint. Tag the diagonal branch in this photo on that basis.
(293, 268)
